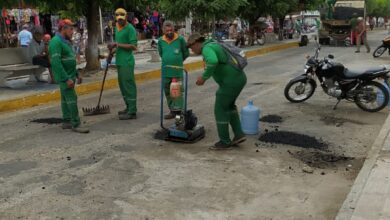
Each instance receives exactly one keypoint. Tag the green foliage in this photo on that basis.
(276, 8)
(206, 10)
(378, 7)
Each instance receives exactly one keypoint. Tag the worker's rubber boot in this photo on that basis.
(127, 117)
(221, 146)
(66, 125)
(238, 140)
(122, 112)
(81, 129)
(171, 115)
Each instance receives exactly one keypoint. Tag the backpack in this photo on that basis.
(236, 56)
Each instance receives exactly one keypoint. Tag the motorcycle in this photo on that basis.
(340, 82)
(382, 48)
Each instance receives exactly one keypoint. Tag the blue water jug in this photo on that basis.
(379, 97)
(250, 116)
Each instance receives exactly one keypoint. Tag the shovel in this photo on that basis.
(99, 110)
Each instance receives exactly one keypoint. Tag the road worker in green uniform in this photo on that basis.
(231, 81)
(63, 64)
(125, 44)
(173, 51)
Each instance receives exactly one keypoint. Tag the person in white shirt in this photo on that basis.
(25, 36)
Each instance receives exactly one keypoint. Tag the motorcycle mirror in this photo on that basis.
(330, 56)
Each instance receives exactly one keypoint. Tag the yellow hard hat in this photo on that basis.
(120, 13)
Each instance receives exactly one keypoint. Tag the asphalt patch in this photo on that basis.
(161, 134)
(330, 120)
(49, 121)
(294, 139)
(257, 83)
(322, 160)
(15, 167)
(273, 119)
(73, 188)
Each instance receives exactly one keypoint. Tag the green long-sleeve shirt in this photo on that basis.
(62, 59)
(218, 66)
(172, 53)
(127, 35)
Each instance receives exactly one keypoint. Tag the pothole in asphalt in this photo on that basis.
(49, 121)
(257, 83)
(321, 160)
(161, 134)
(330, 120)
(273, 119)
(294, 139)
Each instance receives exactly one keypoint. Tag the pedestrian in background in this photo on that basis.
(37, 51)
(233, 32)
(24, 36)
(76, 43)
(362, 35)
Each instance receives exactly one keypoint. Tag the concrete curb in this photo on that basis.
(46, 97)
(347, 209)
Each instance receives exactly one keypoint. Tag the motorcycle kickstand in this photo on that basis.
(338, 102)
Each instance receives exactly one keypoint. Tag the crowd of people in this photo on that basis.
(34, 40)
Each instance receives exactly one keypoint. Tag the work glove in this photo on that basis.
(200, 81)
(111, 46)
(70, 83)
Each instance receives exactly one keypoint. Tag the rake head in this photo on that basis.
(98, 110)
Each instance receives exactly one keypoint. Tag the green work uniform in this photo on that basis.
(125, 64)
(63, 64)
(173, 53)
(231, 81)
(354, 23)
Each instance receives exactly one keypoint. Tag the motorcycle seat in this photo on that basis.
(355, 73)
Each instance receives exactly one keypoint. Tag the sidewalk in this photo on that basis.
(40, 93)
(370, 194)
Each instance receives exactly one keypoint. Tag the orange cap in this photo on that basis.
(46, 38)
(65, 22)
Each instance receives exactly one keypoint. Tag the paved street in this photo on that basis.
(119, 171)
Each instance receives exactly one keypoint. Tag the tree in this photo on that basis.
(276, 8)
(74, 9)
(90, 9)
(201, 10)
(378, 8)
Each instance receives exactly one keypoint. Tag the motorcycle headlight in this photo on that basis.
(306, 68)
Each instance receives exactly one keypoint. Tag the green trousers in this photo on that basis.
(225, 110)
(70, 112)
(174, 104)
(128, 87)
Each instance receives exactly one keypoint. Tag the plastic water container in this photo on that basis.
(175, 88)
(379, 97)
(103, 62)
(250, 116)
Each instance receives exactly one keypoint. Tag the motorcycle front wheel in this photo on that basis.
(299, 91)
(371, 97)
(379, 51)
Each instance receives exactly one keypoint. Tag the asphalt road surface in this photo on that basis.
(119, 171)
